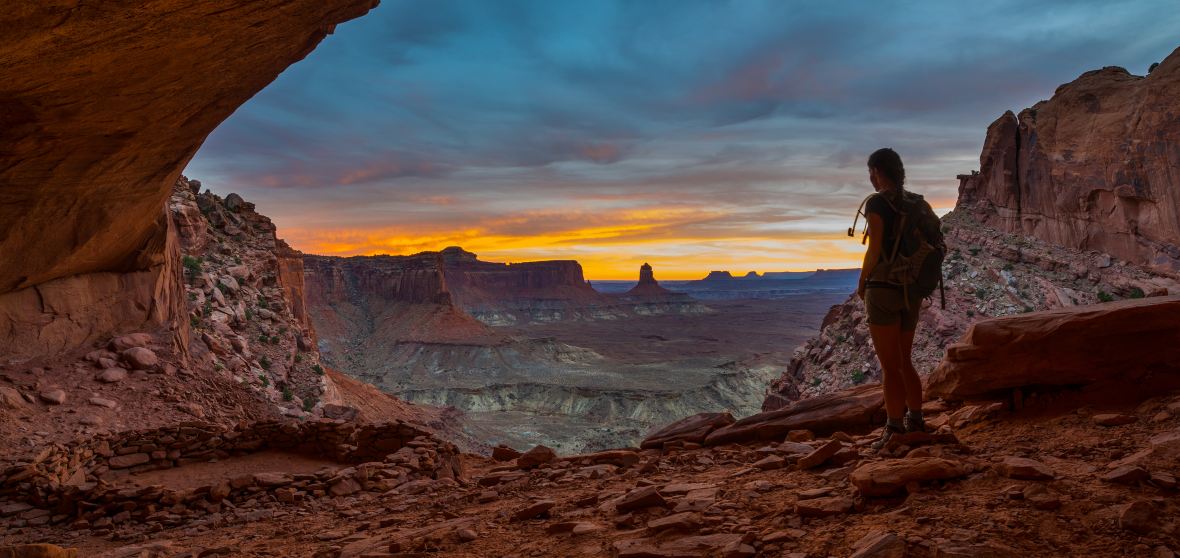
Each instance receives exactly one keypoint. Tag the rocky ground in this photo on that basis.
(987, 273)
(1058, 478)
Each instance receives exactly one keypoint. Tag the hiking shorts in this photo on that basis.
(886, 306)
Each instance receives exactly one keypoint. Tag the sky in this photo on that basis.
(694, 135)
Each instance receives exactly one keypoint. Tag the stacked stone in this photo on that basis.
(77, 482)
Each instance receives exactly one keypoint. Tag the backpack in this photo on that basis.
(914, 262)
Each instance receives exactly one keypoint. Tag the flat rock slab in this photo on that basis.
(820, 455)
(726, 544)
(848, 410)
(640, 498)
(885, 478)
(824, 507)
(1023, 468)
(1078, 345)
(533, 510)
(691, 429)
(1113, 419)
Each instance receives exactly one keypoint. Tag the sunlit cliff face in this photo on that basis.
(695, 135)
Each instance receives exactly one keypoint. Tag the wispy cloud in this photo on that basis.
(622, 131)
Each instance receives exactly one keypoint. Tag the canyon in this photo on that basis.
(163, 391)
(532, 354)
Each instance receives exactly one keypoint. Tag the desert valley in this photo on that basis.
(176, 380)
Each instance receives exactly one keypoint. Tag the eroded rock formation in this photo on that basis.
(1125, 346)
(1092, 168)
(100, 109)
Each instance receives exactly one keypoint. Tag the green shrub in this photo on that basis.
(815, 382)
(265, 380)
(208, 309)
(194, 321)
(975, 250)
(1105, 296)
(262, 338)
(261, 302)
(1136, 292)
(249, 315)
(1152, 67)
(192, 266)
(859, 377)
(287, 395)
(298, 357)
(264, 362)
(318, 369)
(309, 404)
(274, 339)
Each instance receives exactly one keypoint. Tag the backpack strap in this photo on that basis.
(860, 211)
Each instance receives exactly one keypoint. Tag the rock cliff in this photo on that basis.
(101, 106)
(1077, 201)
(1093, 168)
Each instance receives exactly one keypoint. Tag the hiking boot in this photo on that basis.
(914, 423)
(890, 430)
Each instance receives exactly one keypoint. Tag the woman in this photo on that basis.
(892, 320)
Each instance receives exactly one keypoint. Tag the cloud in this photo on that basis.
(554, 121)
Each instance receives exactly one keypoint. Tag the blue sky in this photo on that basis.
(696, 135)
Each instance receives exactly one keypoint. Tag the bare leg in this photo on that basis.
(887, 342)
(909, 376)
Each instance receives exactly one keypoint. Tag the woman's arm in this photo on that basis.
(873, 254)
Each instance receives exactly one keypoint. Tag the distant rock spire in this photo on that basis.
(646, 277)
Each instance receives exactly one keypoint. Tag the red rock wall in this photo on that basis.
(64, 313)
(289, 263)
(1094, 167)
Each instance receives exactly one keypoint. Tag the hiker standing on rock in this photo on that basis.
(902, 266)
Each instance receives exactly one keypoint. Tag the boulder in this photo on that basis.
(1079, 345)
(124, 342)
(111, 375)
(824, 507)
(533, 510)
(820, 455)
(11, 399)
(850, 410)
(885, 478)
(684, 521)
(645, 497)
(140, 358)
(692, 429)
(1126, 474)
(504, 453)
(535, 457)
(1138, 516)
(53, 396)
